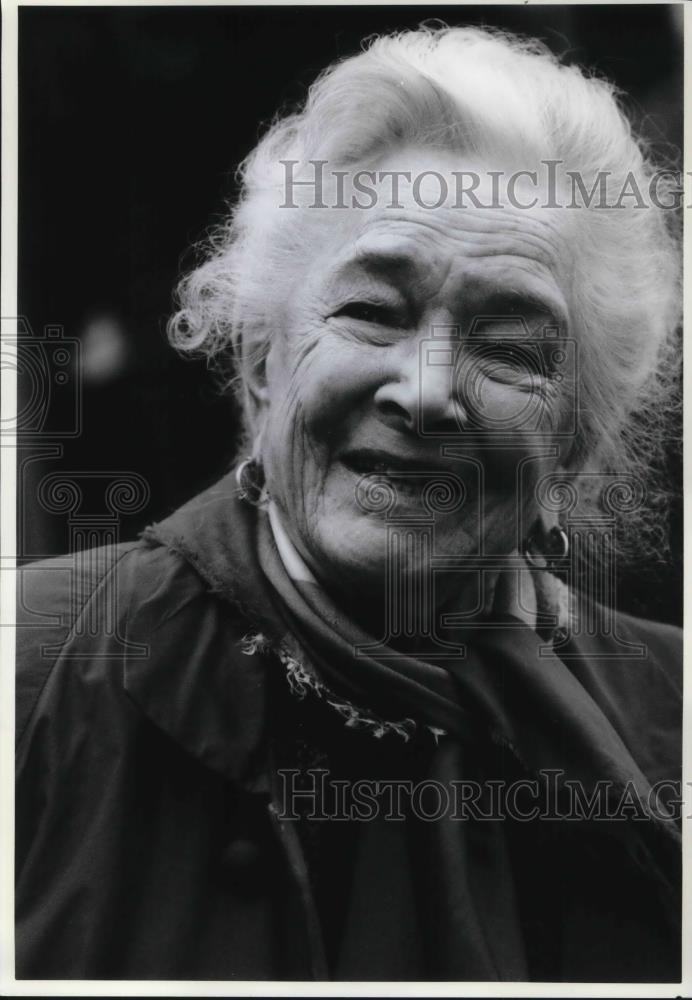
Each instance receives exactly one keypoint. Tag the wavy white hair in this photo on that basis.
(497, 98)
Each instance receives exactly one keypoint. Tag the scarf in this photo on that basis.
(508, 691)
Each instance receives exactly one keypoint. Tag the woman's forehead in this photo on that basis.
(423, 222)
(465, 252)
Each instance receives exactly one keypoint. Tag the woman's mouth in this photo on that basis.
(410, 478)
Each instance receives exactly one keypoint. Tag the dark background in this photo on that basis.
(131, 123)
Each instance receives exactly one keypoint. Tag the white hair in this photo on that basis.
(488, 95)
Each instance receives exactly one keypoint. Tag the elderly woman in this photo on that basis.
(363, 710)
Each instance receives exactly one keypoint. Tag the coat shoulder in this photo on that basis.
(632, 668)
(75, 607)
(663, 646)
(139, 636)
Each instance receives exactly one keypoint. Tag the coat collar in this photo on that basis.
(199, 681)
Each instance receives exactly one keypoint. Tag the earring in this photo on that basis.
(250, 479)
(547, 550)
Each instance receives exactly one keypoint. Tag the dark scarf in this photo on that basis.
(509, 699)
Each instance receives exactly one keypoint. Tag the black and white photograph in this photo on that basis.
(343, 498)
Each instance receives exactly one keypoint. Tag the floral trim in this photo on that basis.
(302, 681)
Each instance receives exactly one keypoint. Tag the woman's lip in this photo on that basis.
(373, 461)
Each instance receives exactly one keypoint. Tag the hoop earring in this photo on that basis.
(250, 479)
(547, 550)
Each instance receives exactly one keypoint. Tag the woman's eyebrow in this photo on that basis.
(498, 302)
(390, 264)
(399, 265)
(517, 301)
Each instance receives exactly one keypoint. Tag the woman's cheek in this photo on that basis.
(518, 426)
(503, 407)
(341, 378)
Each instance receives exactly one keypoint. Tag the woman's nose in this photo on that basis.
(420, 394)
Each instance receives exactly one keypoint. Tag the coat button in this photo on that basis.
(241, 864)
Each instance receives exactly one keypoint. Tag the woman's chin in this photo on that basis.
(360, 551)
(351, 551)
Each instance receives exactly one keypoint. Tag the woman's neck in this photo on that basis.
(408, 614)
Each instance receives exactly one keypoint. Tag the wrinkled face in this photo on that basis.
(414, 355)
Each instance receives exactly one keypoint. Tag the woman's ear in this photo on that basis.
(256, 387)
(545, 516)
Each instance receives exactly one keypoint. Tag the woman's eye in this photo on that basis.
(369, 312)
(504, 357)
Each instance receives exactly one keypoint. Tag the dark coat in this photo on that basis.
(148, 840)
